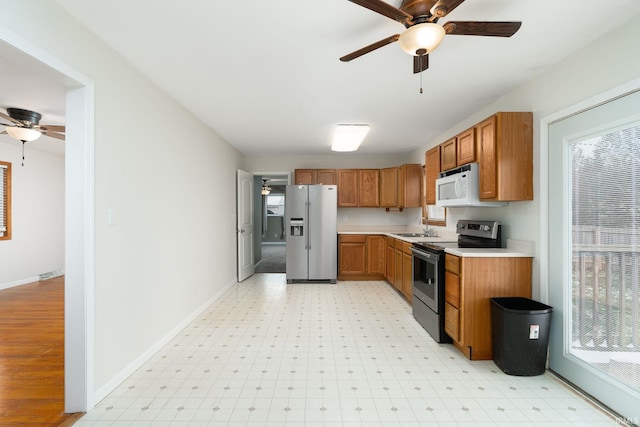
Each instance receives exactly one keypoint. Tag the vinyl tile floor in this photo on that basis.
(350, 354)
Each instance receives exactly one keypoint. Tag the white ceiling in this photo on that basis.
(266, 76)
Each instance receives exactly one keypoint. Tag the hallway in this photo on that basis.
(350, 354)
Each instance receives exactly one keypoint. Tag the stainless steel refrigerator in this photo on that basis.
(311, 233)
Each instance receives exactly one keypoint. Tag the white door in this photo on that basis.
(594, 251)
(244, 226)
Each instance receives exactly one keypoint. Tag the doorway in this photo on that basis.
(78, 93)
(271, 237)
(594, 250)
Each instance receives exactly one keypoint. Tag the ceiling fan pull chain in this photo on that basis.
(421, 71)
(23, 152)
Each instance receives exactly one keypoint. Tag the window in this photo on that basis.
(275, 204)
(5, 200)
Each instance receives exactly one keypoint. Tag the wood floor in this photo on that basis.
(32, 355)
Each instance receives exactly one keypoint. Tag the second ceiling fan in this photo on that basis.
(423, 34)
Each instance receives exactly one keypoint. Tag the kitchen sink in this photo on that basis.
(411, 234)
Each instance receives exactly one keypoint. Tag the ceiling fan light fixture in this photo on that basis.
(427, 36)
(23, 134)
(348, 137)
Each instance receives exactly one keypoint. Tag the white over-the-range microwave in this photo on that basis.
(459, 187)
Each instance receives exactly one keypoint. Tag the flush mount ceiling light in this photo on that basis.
(23, 134)
(349, 137)
(421, 38)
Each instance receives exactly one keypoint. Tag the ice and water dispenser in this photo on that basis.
(297, 227)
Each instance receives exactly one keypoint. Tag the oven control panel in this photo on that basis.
(484, 229)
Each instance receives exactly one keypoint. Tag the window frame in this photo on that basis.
(5, 192)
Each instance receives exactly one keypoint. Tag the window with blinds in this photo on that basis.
(5, 200)
(605, 208)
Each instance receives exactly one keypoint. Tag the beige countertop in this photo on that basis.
(515, 248)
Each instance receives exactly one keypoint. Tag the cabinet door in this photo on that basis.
(376, 254)
(389, 187)
(411, 188)
(348, 187)
(391, 258)
(432, 165)
(448, 155)
(326, 177)
(369, 188)
(466, 147)
(305, 176)
(398, 266)
(352, 255)
(407, 275)
(486, 134)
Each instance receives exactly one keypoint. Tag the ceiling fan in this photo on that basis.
(423, 34)
(25, 125)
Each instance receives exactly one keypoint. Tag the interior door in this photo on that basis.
(244, 227)
(594, 242)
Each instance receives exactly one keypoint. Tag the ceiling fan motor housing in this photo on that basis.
(26, 117)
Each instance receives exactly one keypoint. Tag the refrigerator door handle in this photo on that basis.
(307, 237)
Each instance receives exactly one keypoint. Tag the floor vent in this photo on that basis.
(51, 274)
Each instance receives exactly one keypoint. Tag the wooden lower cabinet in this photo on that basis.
(391, 258)
(398, 265)
(376, 255)
(470, 283)
(352, 250)
(361, 257)
(407, 274)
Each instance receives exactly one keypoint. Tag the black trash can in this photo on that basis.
(520, 334)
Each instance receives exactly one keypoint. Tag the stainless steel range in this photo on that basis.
(428, 272)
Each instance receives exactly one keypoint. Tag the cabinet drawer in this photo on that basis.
(399, 244)
(452, 321)
(391, 241)
(406, 247)
(353, 238)
(452, 288)
(452, 263)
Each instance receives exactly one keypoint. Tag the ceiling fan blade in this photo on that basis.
(385, 9)
(444, 7)
(54, 128)
(54, 135)
(11, 119)
(420, 63)
(371, 47)
(473, 28)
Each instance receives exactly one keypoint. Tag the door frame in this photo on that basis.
(545, 123)
(79, 268)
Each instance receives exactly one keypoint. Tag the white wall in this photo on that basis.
(37, 244)
(171, 181)
(605, 64)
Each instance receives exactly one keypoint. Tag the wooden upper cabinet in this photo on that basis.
(410, 185)
(315, 176)
(326, 177)
(347, 188)
(448, 155)
(505, 156)
(305, 176)
(389, 187)
(369, 188)
(432, 166)
(466, 147)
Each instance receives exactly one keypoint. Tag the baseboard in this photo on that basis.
(104, 391)
(19, 282)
